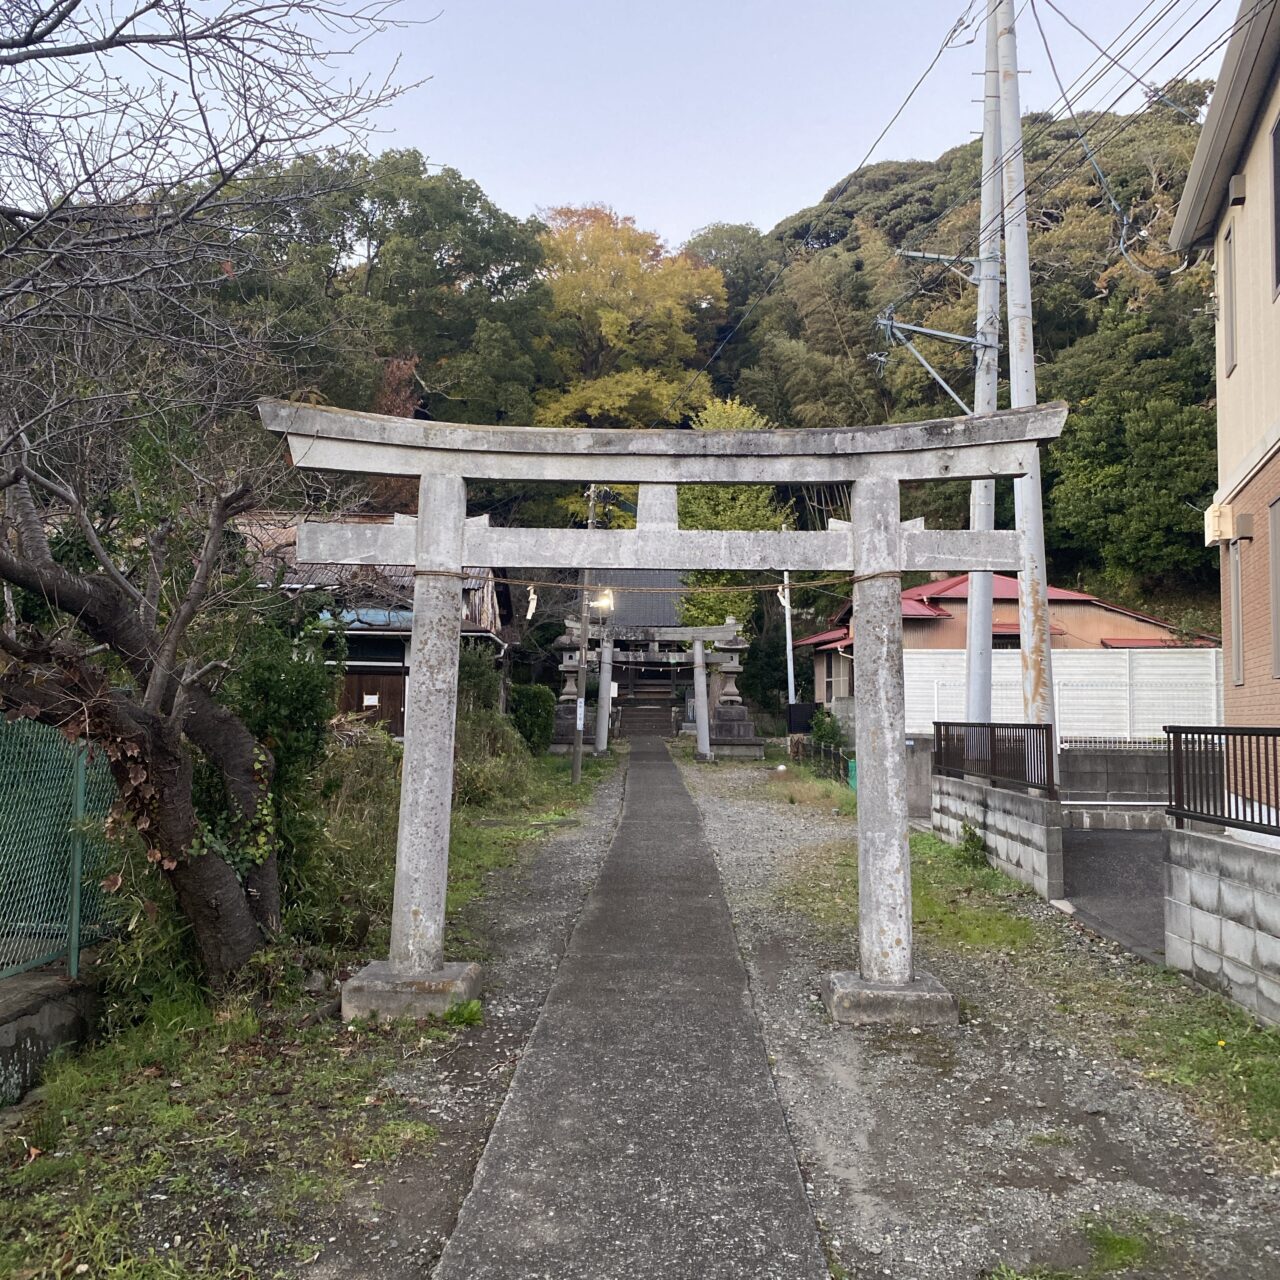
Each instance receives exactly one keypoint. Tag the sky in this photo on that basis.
(685, 113)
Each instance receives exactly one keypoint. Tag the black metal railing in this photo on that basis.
(1019, 755)
(1225, 775)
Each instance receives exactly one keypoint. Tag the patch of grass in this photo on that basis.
(954, 903)
(1215, 1051)
(469, 1013)
(799, 784)
(1225, 1065)
(1113, 1248)
(960, 904)
(1050, 1138)
(205, 1140)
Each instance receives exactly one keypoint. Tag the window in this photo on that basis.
(1227, 299)
(1275, 206)
(1233, 587)
(828, 681)
(1273, 567)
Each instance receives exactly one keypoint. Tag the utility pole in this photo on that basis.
(1033, 589)
(584, 647)
(982, 493)
(785, 596)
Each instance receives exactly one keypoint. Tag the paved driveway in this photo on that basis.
(1115, 879)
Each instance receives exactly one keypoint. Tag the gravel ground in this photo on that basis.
(395, 1228)
(942, 1154)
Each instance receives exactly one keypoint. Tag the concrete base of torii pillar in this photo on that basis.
(887, 987)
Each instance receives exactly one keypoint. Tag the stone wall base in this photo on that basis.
(40, 1012)
(1222, 918)
(1022, 833)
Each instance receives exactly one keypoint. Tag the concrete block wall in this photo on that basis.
(1117, 774)
(1023, 833)
(1101, 815)
(1222, 918)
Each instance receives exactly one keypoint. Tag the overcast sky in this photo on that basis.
(685, 112)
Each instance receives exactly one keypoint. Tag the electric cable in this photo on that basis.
(1100, 115)
(1125, 221)
(960, 25)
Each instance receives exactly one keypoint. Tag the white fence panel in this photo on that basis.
(1120, 693)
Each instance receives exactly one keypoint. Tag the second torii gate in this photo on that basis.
(876, 547)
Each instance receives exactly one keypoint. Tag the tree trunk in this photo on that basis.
(153, 773)
(225, 930)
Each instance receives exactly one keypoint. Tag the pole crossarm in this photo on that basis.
(976, 447)
(932, 550)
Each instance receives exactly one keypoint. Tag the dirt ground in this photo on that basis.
(1010, 1145)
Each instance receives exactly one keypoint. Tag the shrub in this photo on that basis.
(479, 685)
(533, 711)
(826, 729)
(490, 759)
(340, 883)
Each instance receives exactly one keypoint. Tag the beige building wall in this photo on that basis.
(1249, 393)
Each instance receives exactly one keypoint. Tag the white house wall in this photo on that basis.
(1120, 693)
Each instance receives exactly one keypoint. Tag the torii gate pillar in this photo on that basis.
(887, 988)
(415, 981)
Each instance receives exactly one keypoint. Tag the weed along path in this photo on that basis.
(1091, 1116)
(642, 1135)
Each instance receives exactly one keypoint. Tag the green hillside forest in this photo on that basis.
(426, 299)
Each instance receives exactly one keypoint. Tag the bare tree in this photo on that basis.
(148, 179)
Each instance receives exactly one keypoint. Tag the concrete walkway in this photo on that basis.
(1115, 880)
(642, 1136)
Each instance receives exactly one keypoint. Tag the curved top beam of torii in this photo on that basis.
(994, 444)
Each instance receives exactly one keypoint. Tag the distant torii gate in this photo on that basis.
(875, 546)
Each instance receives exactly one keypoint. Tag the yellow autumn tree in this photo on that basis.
(629, 322)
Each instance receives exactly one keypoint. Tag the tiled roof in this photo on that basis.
(645, 608)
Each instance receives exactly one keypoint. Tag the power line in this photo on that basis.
(1121, 213)
(1031, 137)
(1149, 87)
(926, 285)
(958, 27)
(1100, 115)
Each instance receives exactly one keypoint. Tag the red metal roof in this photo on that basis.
(1003, 587)
(822, 637)
(913, 608)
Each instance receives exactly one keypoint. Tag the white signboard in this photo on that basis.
(582, 714)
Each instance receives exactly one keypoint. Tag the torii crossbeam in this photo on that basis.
(875, 546)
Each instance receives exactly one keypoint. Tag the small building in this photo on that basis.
(373, 610)
(935, 616)
(1231, 204)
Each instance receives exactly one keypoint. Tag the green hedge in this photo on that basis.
(533, 709)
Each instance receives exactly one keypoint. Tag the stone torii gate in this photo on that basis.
(876, 547)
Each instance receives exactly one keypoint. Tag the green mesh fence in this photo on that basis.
(53, 799)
